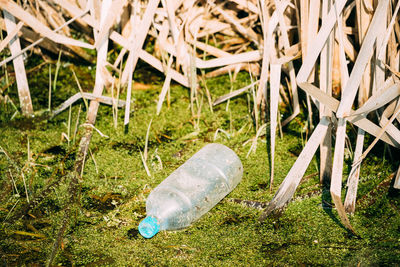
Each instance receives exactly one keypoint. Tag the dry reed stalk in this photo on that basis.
(391, 129)
(129, 68)
(326, 86)
(319, 42)
(337, 169)
(274, 99)
(352, 180)
(293, 86)
(394, 115)
(363, 21)
(364, 16)
(311, 25)
(292, 179)
(10, 35)
(19, 67)
(365, 54)
(354, 174)
(253, 68)
(139, 39)
(76, 175)
(349, 92)
(268, 25)
(165, 88)
(397, 180)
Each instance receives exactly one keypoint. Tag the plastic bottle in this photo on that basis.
(192, 190)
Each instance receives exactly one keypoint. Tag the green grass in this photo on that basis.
(103, 230)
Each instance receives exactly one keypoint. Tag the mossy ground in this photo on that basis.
(103, 230)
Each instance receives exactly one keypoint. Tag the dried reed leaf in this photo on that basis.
(381, 53)
(38, 235)
(211, 50)
(37, 26)
(233, 59)
(381, 132)
(165, 87)
(359, 121)
(397, 180)
(145, 164)
(337, 172)
(391, 129)
(379, 99)
(252, 67)
(260, 132)
(292, 179)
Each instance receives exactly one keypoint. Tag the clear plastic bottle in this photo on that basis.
(192, 190)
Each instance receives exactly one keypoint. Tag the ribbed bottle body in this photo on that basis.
(195, 187)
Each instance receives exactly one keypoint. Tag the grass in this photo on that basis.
(103, 230)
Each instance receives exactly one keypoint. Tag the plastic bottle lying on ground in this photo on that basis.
(192, 190)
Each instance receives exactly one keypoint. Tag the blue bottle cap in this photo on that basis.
(149, 227)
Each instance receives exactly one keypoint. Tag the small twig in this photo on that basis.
(92, 126)
(144, 163)
(147, 140)
(13, 181)
(94, 161)
(8, 215)
(17, 168)
(102, 99)
(80, 89)
(77, 123)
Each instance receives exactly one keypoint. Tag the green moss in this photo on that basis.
(103, 229)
